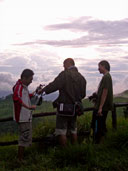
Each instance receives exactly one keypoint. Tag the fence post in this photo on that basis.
(114, 117)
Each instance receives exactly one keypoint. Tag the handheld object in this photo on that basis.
(38, 98)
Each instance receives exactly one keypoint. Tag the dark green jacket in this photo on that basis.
(71, 85)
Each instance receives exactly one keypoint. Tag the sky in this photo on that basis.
(40, 35)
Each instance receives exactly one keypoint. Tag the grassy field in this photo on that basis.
(111, 155)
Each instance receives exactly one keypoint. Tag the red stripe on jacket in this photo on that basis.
(17, 99)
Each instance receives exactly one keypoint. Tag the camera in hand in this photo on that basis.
(39, 88)
(93, 97)
(38, 96)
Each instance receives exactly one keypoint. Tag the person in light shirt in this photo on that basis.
(23, 110)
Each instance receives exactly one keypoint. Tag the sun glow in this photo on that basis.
(24, 20)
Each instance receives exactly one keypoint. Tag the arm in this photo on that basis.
(57, 84)
(103, 98)
(33, 107)
(32, 94)
(17, 94)
(17, 97)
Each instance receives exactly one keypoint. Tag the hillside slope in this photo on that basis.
(124, 94)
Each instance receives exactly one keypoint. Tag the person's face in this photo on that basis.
(65, 65)
(101, 68)
(28, 80)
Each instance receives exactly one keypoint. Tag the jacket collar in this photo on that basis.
(72, 68)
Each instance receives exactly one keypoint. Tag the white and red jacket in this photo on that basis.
(21, 95)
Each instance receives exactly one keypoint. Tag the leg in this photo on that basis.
(104, 128)
(62, 140)
(25, 138)
(72, 127)
(73, 138)
(20, 153)
(101, 127)
(61, 129)
(93, 119)
(94, 124)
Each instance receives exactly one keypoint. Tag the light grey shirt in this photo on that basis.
(25, 114)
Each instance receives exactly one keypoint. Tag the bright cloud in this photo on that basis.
(40, 34)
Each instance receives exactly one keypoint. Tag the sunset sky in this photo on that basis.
(40, 34)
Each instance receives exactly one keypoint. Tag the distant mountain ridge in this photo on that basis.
(53, 96)
(49, 97)
(124, 94)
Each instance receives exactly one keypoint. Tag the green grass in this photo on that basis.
(6, 108)
(112, 155)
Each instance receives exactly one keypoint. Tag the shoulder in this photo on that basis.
(107, 76)
(107, 79)
(82, 77)
(17, 87)
(61, 74)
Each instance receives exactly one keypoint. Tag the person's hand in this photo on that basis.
(33, 107)
(33, 93)
(40, 91)
(100, 112)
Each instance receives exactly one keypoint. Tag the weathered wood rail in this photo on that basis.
(114, 120)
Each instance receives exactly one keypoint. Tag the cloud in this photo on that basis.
(43, 63)
(7, 80)
(101, 28)
(98, 32)
(125, 57)
(47, 69)
(16, 64)
(106, 35)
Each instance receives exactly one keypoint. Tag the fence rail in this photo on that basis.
(114, 120)
(36, 115)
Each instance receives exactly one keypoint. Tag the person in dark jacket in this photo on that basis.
(72, 88)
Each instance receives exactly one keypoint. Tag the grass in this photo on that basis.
(112, 155)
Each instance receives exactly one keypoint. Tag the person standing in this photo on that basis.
(72, 88)
(103, 102)
(23, 110)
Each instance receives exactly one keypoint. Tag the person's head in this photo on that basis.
(104, 66)
(27, 76)
(68, 63)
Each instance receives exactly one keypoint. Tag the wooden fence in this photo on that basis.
(114, 120)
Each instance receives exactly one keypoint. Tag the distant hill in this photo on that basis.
(124, 94)
(48, 97)
(51, 97)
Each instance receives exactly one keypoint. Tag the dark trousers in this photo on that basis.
(98, 125)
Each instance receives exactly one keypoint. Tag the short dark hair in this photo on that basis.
(69, 60)
(105, 64)
(27, 73)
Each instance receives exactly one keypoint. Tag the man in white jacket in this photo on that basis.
(23, 110)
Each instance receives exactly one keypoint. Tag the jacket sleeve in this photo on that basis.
(17, 94)
(31, 95)
(83, 88)
(57, 84)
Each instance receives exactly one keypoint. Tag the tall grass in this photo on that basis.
(111, 155)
